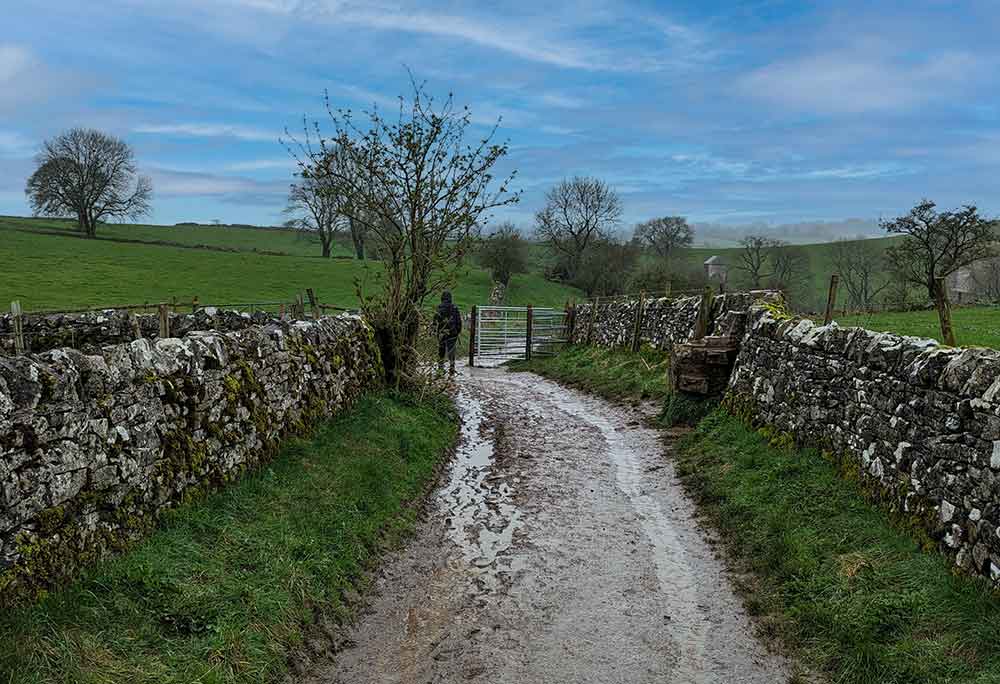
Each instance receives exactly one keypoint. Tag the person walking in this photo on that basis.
(448, 326)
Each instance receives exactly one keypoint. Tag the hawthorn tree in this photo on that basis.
(420, 189)
(90, 175)
(936, 244)
(504, 252)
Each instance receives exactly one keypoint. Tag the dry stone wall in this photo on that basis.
(665, 321)
(92, 330)
(916, 422)
(93, 447)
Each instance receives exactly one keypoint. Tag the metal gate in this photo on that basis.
(504, 333)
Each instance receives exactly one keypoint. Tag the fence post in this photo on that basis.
(640, 311)
(944, 311)
(313, 304)
(669, 288)
(527, 335)
(194, 304)
(15, 311)
(831, 299)
(164, 321)
(570, 321)
(704, 314)
(136, 329)
(593, 315)
(472, 336)
(300, 307)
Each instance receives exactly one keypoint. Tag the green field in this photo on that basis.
(46, 271)
(975, 326)
(290, 242)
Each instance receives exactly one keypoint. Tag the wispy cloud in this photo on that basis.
(208, 130)
(866, 78)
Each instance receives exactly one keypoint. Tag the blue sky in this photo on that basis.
(725, 112)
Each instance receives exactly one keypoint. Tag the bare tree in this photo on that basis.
(317, 211)
(862, 271)
(756, 258)
(664, 235)
(791, 272)
(420, 190)
(936, 244)
(577, 213)
(89, 175)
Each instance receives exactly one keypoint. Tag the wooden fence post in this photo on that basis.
(164, 321)
(570, 320)
(472, 336)
(16, 316)
(313, 304)
(593, 314)
(944, 311)
(527, 335)
(136, 329)
(831, 299)
(704, 314)
(669, 288)
(640, 311)
(300, 307)
(194, 304)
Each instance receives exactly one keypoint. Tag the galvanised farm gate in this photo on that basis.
(504, 333)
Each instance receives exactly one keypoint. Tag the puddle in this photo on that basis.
(481, 515)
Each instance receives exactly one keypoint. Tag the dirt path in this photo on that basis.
(560, 548)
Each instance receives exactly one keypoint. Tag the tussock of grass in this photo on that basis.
(229, 586)
(832, 577)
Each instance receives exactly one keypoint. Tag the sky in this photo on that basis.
(731, 113)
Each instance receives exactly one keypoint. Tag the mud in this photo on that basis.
(559, 548)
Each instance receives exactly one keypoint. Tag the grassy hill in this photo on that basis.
(55, 270)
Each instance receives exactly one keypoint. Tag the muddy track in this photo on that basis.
(559, 548)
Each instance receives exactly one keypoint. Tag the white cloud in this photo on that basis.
(14, 61)
(14, 145)
(262, 165)
(860, 80)
(170, 182)
(202, 130)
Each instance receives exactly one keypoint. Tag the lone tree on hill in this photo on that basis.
(90, 175)
(504, 253)
(936, 244)
(664, 235)
(577, 214)
(420, 189)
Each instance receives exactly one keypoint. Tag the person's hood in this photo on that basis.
(446, 297)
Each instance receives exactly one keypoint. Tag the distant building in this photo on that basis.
(716, 269)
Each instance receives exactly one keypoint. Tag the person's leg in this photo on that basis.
(442, 350)
(452, 344)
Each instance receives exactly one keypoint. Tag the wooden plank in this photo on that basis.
(640, 311)
(704, 314)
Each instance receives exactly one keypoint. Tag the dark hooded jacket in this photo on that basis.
(447, 319)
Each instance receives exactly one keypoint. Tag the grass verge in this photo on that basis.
(853, 596)
(229, 587)
(831, 575)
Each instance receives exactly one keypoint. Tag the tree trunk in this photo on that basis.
(325, 242)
